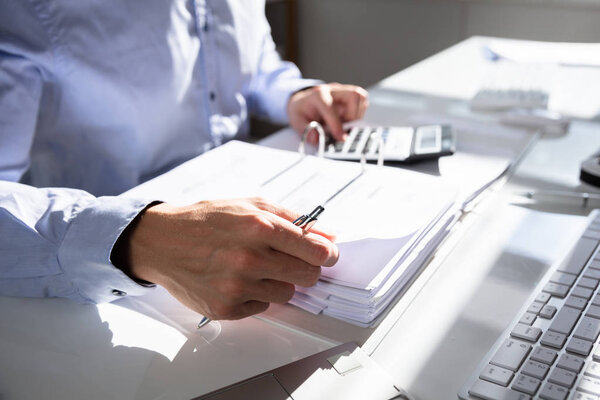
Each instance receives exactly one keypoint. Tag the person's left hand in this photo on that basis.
(331, 104)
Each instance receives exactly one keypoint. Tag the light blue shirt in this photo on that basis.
(97, 97)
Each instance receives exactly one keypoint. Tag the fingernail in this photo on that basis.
(335, 256)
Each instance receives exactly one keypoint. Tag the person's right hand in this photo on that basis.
(227, 259)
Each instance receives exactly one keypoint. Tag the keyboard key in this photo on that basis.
(570, 362)
(588, 329)
(565, 320)
(543, 355)
(593, 311)
(547, 311)
(576, 302)
(527, 318)
(535, 307)
(596, 354)
(489, 391)
(562, 377)
(535, 369)
(596, 300)
(589, 385)
(582, 292)
(563, 279)
(544, 297)
(551, 391)
(494, 374)
(511, 354)
(554, 339)
(526, 332)
(579, 256)
(579, 346)
(593, 370)
(588, 283)
(556, 289)
(585, 396)
(526, 384)
(591, 273)
(596, 263)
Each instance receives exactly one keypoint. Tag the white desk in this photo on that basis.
(430, 342)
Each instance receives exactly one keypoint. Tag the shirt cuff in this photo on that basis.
(84, 253)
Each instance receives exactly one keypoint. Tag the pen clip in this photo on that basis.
(307, 221)
(300, 220)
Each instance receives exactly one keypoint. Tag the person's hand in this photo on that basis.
(227, 259)
(331, 105)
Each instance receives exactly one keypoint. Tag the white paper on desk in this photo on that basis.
(565, 54)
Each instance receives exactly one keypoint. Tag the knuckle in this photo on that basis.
(259, 201)
(235, 290)
(243, 258)
(232, 291)
(260, 225)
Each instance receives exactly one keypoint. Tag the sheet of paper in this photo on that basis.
(566, 54)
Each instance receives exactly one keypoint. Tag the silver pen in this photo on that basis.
(305, 221)
(561, 194)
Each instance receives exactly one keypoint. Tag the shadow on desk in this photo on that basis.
(559, 205)
(135, 348)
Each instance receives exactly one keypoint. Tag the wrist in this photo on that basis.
(121, 254)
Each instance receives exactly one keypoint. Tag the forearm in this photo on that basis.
(57, 243)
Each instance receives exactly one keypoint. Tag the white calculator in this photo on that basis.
(399, 143)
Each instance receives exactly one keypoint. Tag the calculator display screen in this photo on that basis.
(428, 139)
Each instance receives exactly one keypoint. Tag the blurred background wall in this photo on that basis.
(363, 41)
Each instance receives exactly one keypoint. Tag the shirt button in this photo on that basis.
(119, 293)
(212, 96)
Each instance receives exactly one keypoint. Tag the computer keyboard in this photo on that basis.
(509, 86)
(551, 351)
(508, 99)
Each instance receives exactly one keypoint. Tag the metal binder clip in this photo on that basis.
(380, 145)
(378, 139)
(320, 131)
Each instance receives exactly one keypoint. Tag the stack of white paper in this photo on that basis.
(387, 220)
